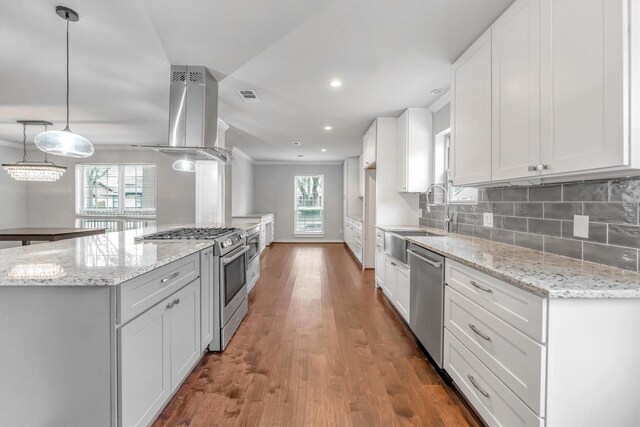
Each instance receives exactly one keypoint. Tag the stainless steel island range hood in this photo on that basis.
(193, 116)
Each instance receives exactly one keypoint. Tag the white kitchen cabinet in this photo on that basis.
(403, 291)
(516, 91)
(471, 114)
(145, 371)
(206, 298)
(353, 237)
(185, 332)
(413, 160)
(360, 177)
(584, 48)
(158, 349)
(369, 146)
(380, 258)
(353, 198)
(390, 278)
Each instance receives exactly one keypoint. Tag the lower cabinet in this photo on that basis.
(379, 266)
(396, 286)
(157, 351)
(206, 298)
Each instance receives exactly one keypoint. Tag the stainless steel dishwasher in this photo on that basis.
(426, 317)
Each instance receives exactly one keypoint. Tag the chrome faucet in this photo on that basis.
(447, 218)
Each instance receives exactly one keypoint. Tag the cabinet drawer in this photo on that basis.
(253, 270)
(357, 225)
(496, 404)
(510, 355)
(521, 309)
(143, 292)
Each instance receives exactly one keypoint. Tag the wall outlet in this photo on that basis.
(581, 226)
(487, 219)
(420, 213)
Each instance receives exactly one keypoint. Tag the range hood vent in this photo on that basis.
(248, 95)
(193, 116)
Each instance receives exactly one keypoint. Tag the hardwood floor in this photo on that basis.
(319, 347)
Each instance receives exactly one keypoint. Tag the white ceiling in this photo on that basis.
(389, 54)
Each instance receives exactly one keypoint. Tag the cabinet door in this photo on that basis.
(206, 298)
(403, 292)
(360, 177)
(516, 91)
(390, 278)
(379, 263)
(185, 332)
(401, 153)
(145, 372)
(584, 82)
(471, 114)
(369, 141)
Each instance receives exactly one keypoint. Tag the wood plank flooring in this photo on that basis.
(319, 347)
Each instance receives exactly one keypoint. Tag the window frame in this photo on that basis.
(120, 213)
(296, 232)
(444, 138)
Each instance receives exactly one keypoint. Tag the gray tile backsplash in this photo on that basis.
(541, 218)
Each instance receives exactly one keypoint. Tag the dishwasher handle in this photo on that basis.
(428, 261)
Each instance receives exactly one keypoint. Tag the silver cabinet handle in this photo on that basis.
(173, 276)
(174, 302)
(482, 288)
(253, 274)
(473, 381)
(428, 261)
(480, 334)
(394, 264)
(537, 168)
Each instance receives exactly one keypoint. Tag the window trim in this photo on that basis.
(444, 137)
(117, 215)
(297, 233)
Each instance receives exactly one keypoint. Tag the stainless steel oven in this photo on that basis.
(253, 241)
(233, 281)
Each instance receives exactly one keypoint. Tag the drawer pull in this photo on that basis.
(473, 381)
(482, 288)
(480, 334)
(174, 302)
(173, 276)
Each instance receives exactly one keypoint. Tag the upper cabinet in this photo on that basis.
(583, 58)
(515, 40)
(547, 91)
(471, 114)
(361, 176)
(369, 146)
(414, 149)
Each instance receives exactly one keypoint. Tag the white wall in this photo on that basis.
(241, 183)
(54, 204)
(273, 192)
(13, 196)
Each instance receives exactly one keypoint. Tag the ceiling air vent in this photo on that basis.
(248, 95)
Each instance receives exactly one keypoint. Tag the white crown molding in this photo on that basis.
(440, 102)
(297, 163)
(235, 151)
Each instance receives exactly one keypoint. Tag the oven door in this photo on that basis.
(254, 246)
(233, 281)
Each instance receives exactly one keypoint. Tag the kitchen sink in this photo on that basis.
(395, 244)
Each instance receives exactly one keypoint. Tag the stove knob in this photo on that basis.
(227, 243)
(243, 235)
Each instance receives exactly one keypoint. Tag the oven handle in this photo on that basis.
(227, 260)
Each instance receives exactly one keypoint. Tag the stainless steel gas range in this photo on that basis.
(230, 263)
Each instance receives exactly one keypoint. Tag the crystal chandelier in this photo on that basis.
(45, 171)
(65, 142)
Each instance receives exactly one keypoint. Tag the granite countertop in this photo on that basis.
(245, 223)
(393, 228)
(253, 215)
(102, 260)
(543, 274)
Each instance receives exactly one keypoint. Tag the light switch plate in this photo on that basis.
(487, 219)
(581, 226)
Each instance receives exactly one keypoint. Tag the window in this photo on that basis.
(116, 191)
(441, 172)
(309, 204)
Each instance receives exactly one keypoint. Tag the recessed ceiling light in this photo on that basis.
(437, 92)
(324, 150)
(328, 128)
(300, 155)
(335, 83)
(296, 143)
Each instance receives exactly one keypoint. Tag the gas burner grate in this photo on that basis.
(194, 233)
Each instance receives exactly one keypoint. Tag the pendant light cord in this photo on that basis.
(45, 153)
(67, 71)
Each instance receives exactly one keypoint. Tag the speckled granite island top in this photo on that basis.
(542, 274)
(103, 260)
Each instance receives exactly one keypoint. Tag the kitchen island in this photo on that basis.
(99, 330)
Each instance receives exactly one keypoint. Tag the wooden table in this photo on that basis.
(46, 234)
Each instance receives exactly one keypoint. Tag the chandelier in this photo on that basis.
(44, 171)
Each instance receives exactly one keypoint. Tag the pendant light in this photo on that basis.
(184, 165)
(64, 142)
(45, 171)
